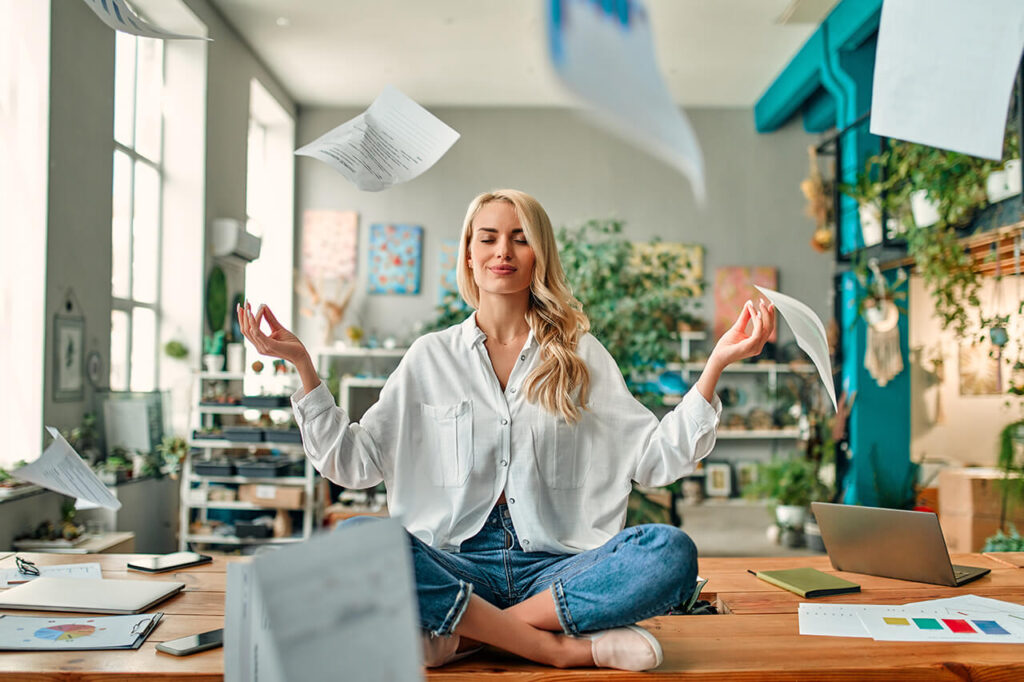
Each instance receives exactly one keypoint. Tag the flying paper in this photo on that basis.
(60, 469)
(119, 16)
(603, 53)
(944, 71)
(392, 142)
(809, 333)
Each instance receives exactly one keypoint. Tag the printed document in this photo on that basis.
(119, 16)
(604, 54)
(12, 576)
(392, 142)
(944, 71)
(61, 470)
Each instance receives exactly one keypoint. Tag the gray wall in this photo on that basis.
(753, 215)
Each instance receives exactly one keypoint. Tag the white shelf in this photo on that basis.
(395, 353)
(759, 434)
(233, 540)
(223, 376)
(364, 382)
(265, 480)
(222, 409)
(747, 368)
(256, 445)
(224, 504)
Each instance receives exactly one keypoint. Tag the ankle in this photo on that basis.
(572, 652)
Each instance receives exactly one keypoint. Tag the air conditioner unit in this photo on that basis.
(230, 239)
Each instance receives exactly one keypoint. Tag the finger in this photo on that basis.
(271, 319)
(744, 319)
(767, 320)
(755, 332)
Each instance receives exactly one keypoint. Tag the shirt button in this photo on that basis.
(525, 542)
(504, 421)
(511, 390)
(504, 462)
(511, 500)
(522, 357)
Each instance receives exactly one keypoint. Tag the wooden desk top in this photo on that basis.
(758, 640)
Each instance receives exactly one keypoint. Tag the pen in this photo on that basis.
(751, 573)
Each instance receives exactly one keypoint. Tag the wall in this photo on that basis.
(968, 431)
(754, 212)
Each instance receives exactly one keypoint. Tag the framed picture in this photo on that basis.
(68, 358)
(395, 258)
(718, 479)
(746, 473)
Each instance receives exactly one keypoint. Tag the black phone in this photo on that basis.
(168, 562)
(183, 646)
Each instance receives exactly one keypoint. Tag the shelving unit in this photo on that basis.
(194, 486)
(360, 369)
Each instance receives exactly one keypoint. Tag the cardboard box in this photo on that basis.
(966, 533)
(971, 491)
(275, 496)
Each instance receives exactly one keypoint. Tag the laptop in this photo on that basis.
(88, 595)
(892, 543)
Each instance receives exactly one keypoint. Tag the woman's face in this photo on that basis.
(501, 260)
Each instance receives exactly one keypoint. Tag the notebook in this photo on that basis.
(892, 543)
(807, 582)
(98, 596)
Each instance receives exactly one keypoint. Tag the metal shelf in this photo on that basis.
(222, 409)
(234, 540)
(761, 434)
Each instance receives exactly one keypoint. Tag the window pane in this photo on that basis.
(120, 284)
(124, 89)
(145, 233)
(148, 103)
(143, 349)
(118, 350)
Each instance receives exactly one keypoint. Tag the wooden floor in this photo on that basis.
(755, 639)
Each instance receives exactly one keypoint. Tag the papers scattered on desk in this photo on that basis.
(604, 54)
(944, 71)
(60, 469)
(392, 142)
(349, 592)
(11, 576)
(968, 618)
(34, 633)
(119, 16)
(809, 332)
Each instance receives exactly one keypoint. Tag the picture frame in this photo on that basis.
(746, 473)
(68, 358)
(718, 479)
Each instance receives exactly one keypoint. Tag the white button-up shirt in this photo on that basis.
(447, 441)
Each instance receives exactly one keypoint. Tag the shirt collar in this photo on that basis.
(472, 334)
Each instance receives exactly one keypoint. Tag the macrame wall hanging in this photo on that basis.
(882, 358)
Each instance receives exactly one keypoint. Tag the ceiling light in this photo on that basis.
(283, 22)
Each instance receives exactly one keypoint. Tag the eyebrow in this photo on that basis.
(495, 231)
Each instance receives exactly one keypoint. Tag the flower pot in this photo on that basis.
(791, 515)
(792, 537)
(870, 224)
(812, 536)
(999, 336)
(236, 358)
(213, 363)
(925, 210)
(1004, 184)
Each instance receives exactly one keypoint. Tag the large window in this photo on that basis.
(136, 229)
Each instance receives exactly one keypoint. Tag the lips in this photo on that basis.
(503, 270)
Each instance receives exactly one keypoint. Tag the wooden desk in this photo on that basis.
(116, 542)
(757, 640)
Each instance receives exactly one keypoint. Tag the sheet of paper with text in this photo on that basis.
(603, 53)
(118, 15)
(392, 142)
(944, 71)
(61, 470)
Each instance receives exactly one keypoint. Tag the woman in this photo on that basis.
(508, 445)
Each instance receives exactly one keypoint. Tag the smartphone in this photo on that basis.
(183, 646)
(168, 562)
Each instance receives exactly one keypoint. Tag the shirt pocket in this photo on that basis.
(448, 432)
(561, 458)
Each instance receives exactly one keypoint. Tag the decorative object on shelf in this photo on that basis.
(216, 299)
(760, 420)
(257, 366)
(819, 204)
(395, 259)
(68, 357)
(176, 349)
(213, 351)
(718, 479)
(236, 358)
(882, 357)
(172, 451)
(734, 286)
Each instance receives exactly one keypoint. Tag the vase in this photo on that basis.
(236, 358)
(925, 210)
(791, 515)
(213, 363)
(1004, 184)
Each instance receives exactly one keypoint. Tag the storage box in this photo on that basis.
(970, 507)
(214, 467)
(266, 401)
(282, 436)
(251, 529)
(246, 434)
(276, 496)
(263, 467)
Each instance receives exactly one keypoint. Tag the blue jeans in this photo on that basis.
(642, 572)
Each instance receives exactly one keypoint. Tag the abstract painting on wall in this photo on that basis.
(329, 241)
(734, 286)
(686, 280)
(448, 254)
(395, 259)
(979, 369)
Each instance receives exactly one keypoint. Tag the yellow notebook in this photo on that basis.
(807, 582)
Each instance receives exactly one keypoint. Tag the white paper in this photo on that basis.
(833, 620)
(392, 142)
(9, 576)
(905, 627)
(972, 603)
(250, 654)
(60, 469)
(119, 16)
(809, 332)
(69, 634)
(944, 71)
(348, 592)
(609, 63)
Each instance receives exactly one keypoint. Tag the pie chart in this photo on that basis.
(65, 632)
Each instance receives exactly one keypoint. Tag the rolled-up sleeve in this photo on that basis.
(683, 437)
(342, 451)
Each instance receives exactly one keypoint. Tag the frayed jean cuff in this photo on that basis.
(454, 615)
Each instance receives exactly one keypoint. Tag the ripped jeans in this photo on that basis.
(643, 571)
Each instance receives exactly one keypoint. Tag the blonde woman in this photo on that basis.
(508, 445)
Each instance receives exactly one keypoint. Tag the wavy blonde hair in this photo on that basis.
(561, 381)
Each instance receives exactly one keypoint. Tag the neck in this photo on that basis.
(503, 318)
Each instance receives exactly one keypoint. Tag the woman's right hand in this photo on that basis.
(279, 343)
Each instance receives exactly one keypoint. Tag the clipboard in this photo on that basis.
(86, 633)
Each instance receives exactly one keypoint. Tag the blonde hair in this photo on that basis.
(561, 381)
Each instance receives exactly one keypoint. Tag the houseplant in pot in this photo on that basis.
(791, 484)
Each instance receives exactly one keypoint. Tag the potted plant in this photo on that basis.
(791, 484)
(213, 351)
(172, 451)
(115, 468)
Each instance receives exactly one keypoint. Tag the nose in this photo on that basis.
(504, 249)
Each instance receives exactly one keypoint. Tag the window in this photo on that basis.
(136, 226)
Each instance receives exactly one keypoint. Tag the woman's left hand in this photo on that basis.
(737, 344)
